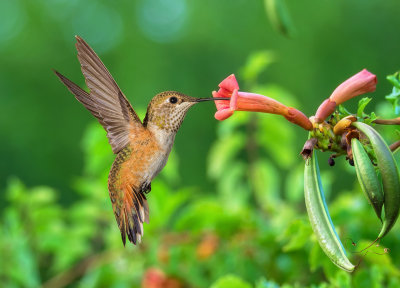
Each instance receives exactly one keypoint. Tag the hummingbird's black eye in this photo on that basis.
(173, 100)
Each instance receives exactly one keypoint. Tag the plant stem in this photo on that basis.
(66, 277)
(394, 146)
(395, 121)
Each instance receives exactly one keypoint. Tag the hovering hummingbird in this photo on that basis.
(141, 149)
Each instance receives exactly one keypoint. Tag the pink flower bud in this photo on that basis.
(324, 110)
(361, 83)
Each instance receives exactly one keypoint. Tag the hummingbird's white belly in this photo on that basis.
(157, 163)
(159, 159)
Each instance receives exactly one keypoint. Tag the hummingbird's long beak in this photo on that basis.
(211, 99)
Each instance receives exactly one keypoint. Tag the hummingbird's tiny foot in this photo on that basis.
(146, 188)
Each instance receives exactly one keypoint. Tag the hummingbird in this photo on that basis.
(141, 148)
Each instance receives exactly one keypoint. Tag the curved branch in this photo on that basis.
(394, 146)
(67, 277)
(395, 121)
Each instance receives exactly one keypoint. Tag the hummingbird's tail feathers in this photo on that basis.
(121, 226)
(129, 203)
(118, 117)
(130, 216)
(134, 216)
(145, 205)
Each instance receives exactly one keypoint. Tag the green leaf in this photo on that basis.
(315, 257)
(230, 281)
(394, 79)
(298, 234)
(361, 106)
(233, 188)
(276, 135)
(256, 63)
(394, 97)
(370, 118)
(171, 170)
(263, 283)
(294, 184)
(343, 112)
(279, 16)
(342, 279)
(98, 154)
(222, 153)
(265, 181)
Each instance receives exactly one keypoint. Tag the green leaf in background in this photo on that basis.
(222, 154)
(343, 111)
(279, 17)
(394, 79)
(233, 187)
(315, 256)
(263, 283)
(97, 151)
(298, 234)
(230, 281)
(265, 182)
(278, 141)
(394, 97)
(256, 63)
(294, 184)
(341, 279)
(171, 170)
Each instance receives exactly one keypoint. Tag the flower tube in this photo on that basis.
(245, 101)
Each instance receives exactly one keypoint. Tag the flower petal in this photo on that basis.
(229, 83)
(223, 114)
(220, 103)
(234, 99)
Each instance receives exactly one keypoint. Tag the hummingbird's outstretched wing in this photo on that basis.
(106, 101)
(81, 95)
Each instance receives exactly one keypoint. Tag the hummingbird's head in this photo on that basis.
(168, 109)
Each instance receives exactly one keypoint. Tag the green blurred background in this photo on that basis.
(228, 208)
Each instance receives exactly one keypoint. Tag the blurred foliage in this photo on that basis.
(151, 46)
(394, 97)
(279, 16)
(252, 231)
(244, 224)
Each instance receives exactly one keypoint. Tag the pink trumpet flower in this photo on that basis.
(244, 101)
(361, 83)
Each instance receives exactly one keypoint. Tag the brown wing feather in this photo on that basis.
(81, 95)
(113, 109)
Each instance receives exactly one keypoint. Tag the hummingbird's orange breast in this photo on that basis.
(147, 158)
